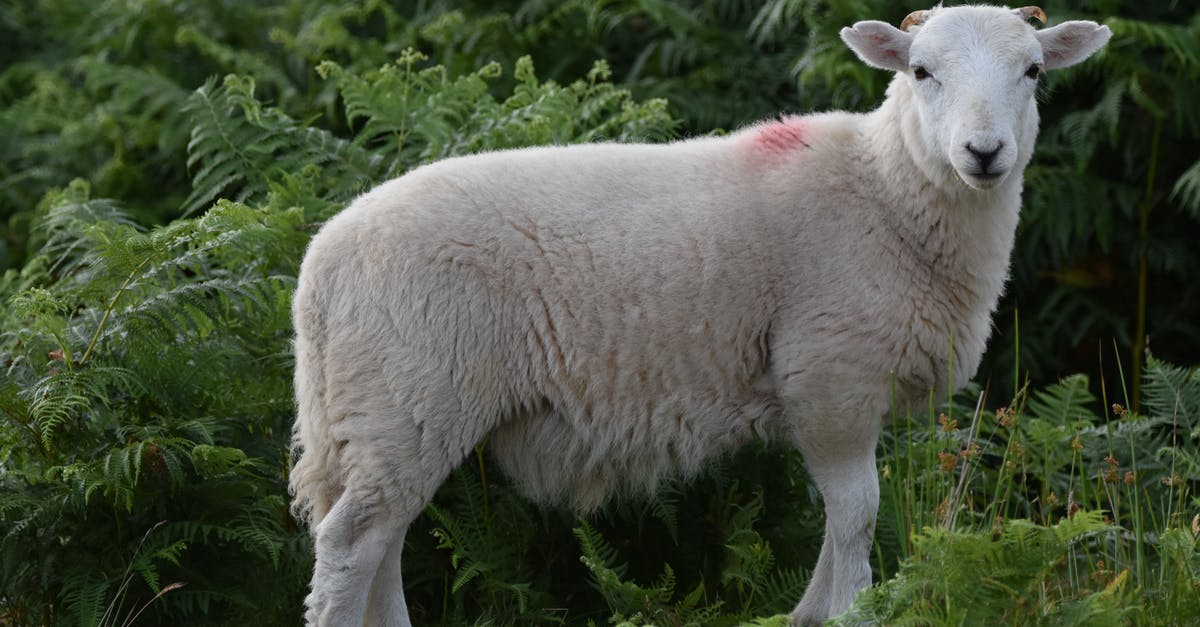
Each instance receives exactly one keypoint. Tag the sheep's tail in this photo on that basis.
(315, 481)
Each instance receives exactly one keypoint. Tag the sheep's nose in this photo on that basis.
(986, 155)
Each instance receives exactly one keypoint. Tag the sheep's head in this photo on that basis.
(973, 73)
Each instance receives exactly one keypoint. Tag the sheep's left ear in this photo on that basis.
(1071, 42)
(879, 44)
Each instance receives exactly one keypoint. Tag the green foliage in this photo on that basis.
(1020, 577)
(165, 163)
(488, 554)
(120, 359)
(631, 603)
(1105, 249)
(1042, 512)
(146, 381)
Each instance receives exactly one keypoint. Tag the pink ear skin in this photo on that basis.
(773, 140)
(879, 44)
(1071, 42)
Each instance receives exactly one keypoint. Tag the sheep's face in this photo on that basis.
(974, 82)
(972, 72)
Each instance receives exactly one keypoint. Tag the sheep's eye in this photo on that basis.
(1034, 71)
(919, 73)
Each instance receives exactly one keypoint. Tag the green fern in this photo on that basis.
(751, 559)
(631, 603)
(964, 578)
(227, 151)
(85, 596)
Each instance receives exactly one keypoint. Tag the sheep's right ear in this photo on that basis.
(879, 44)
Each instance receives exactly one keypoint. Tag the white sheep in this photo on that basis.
(609, 314)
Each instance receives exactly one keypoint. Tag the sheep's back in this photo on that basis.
(604, 306)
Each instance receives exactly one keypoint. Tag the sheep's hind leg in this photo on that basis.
(394, 474)
(350, 543)
(385, 604)
(359, 544)
(846, 475)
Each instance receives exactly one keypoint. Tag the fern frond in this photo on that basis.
(1187, 190)
(594, 547)
(1172, 393)
(1178, 39)
(1067, 401)
(84, 596)
(238, 144)
(665, 507)
(70, 214)
(66, 396)
(142, 93)
(782, 587)
(226, 149)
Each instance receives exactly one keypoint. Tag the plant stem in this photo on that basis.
(483, 480)
(1139, 334)
(957, 494)
(112, 305)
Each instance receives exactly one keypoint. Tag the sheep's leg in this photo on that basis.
(395, 467)
(350, 544)
(846, 475)
(357, 577)
(385, 604)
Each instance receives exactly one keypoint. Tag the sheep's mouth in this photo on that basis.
(982, 180)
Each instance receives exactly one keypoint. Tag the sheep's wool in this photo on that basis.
(610, 314)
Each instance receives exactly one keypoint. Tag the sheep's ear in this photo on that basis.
(1071, 42)
(879, 44)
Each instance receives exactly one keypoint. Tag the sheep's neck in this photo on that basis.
(963, 231)
(950, 241)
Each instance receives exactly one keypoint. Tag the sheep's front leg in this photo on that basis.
(844, 470)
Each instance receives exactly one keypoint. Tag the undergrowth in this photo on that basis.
(147, 372)
(1042, 511)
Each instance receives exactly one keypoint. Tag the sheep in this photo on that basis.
(606, 315)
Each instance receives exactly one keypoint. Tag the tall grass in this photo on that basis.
(1039, 511)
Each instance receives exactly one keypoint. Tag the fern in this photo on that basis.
(597, 551)
(130, 290)
(1173, 393)
(228, 150)
(631, 603)
(84, 596)
(489, 538)
(69, 395)
(419, 115)
(232, 144)
(964, 578)
(782, 588)
(750, 557)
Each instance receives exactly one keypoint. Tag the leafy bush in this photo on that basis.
(147, 372)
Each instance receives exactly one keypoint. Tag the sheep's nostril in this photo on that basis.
(985, 156)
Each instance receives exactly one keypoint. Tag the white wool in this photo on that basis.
(611, 314)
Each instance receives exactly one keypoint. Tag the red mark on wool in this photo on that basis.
(779, 138)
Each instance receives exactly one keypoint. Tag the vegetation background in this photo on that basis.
(164, 163)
